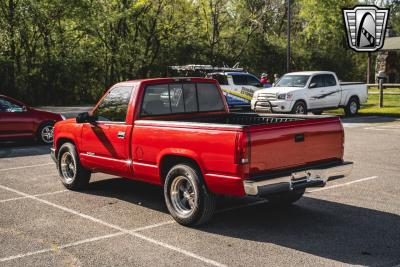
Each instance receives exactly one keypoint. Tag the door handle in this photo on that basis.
(121, 135)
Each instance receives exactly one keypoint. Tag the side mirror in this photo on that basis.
(312, 85)
(85, 117)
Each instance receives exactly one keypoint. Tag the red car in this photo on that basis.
(18, 120)
(179, 133)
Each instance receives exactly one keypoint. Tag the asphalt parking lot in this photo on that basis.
(117, 222)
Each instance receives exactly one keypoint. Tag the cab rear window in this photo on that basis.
(175, 98)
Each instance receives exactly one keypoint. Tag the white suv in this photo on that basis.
(315, 91)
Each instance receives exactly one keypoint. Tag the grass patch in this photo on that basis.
(391, 106)
(376, 90)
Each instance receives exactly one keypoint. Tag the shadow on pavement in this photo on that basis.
(336, 231)
(344, 233)
(22, 149)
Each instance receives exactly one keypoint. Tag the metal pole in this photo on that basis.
(381, 92)
(288, 38)
(369, 68)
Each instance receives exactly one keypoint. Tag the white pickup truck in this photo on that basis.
(315, 91)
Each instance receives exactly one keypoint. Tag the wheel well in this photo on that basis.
(62, 141)
(43, 123)
(355, 97)
(300, 100)
(167, 162)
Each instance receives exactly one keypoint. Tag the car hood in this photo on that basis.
(279, 90)
(46, 115)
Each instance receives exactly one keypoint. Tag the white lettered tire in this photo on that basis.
(72, 174)
(187, 198)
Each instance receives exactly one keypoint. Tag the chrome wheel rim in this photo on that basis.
(183, 196)
(300, 109)
(353, 107)
(68, 167)
(47, 134)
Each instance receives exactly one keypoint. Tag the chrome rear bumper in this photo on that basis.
(287, 181)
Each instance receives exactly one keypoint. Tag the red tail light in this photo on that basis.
(243, 152)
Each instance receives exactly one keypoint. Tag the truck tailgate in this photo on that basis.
(291, 144)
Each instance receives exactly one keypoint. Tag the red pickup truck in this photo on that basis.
(178, 133)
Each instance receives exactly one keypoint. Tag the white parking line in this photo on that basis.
(116, 227)
(80, 242)
(132, 232)
(24, 167)
(89, 240)
(37, 195)
(340, 185)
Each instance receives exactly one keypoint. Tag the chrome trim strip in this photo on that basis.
(92, 155)
(144, 164)
(223, 176)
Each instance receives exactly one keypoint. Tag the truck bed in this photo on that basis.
(278, 141)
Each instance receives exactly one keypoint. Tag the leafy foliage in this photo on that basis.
(69, 52)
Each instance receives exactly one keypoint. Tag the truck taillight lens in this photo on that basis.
(243, 148)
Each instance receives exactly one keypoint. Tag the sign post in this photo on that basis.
(381, 78)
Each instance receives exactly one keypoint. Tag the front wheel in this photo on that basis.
(72, 174)
(188, 199)
(299, 108)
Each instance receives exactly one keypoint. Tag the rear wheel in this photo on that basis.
(352, 107)
(188, 199)
(285, 198)
(72, 174)
(299, 107)
(45, 133)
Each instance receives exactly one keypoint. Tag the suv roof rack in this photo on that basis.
(206, 68)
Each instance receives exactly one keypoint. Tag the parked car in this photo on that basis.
(238, 87)
(315, 91)
(18, 120)
(195, 148)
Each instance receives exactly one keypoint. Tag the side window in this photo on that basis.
(114, 106)
(329, 80)
(7, 106)
(319, 80)
(252, 80)
(209, 97)
(239, 79)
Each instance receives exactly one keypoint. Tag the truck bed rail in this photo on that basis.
(250, 119)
